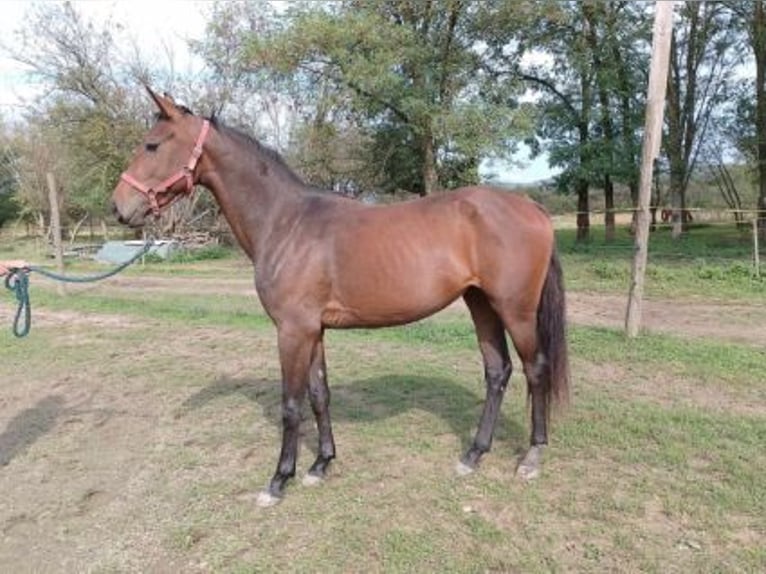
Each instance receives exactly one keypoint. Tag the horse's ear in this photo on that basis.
(164, 103)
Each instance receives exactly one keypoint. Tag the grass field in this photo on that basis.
(141, 415)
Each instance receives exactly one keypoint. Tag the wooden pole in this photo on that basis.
(756, 255)
(655, 104)
(58, 248)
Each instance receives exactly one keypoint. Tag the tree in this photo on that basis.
(550, 55)
(91, 115)
(257, 100)
(701, 73)
(405, 70)
(8, 180)
(29, 156)
(750, 17)
(617, 36)
(584, 63)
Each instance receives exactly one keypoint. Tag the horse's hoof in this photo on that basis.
(527, 472)
(462, 469)
(266, 500)
(312, 480)
(529, 467)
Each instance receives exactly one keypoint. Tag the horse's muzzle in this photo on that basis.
(133, 221)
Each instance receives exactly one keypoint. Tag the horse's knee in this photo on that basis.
(291, 412)
(497, 376)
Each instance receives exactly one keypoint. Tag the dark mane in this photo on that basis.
(262, 150)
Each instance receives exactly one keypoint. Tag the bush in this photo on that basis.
(8, 208)
(206, 253)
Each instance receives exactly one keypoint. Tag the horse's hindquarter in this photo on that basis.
(399, 263)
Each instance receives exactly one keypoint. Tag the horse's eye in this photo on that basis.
(152, 146)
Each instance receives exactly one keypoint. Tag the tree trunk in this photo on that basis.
(583, 210)
(430, 176)
(674, 140)
(58, 247)
(655, 197)
(609, 206)
(677, 202)
(582, 185)
(42, 228)
(592, 17)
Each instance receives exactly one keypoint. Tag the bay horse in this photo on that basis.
(322, 261)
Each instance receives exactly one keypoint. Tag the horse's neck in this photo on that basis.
(251, 191)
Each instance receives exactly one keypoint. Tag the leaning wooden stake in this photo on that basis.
(655, 101)
(58, 245)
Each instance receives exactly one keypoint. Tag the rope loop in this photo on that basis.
(17, 281)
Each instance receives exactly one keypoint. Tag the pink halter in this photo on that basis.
(186, 173)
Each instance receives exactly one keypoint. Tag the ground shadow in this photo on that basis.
(376, 399)
(28, 426)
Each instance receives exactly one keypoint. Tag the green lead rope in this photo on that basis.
(17, 281)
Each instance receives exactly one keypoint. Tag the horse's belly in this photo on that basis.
(399, 296)
(340, 316)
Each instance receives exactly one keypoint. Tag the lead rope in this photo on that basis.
(17, 281)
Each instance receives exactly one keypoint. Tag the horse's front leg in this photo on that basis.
(319, 394)
(296, 346)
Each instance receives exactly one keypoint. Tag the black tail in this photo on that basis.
(552, 333)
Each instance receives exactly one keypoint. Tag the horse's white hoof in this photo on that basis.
(265, 499)
(529, 467)
(527, 473)
(462, 469)
(312, 480)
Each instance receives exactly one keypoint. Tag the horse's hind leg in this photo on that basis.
(497, 371)
(522, 325)
(319, 395)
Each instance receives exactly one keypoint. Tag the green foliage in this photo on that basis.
(704, 57)
(95, 140)
(8, 208)
(185, 255)
(85, 126)
(592, 50)
(8, 185)
(408, 72)
(206, 253)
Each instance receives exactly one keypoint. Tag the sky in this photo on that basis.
(156, 26)
(153, 25)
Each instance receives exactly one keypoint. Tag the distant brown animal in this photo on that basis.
(667, 215)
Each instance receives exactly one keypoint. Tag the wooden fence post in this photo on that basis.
(756, 255)
(655, 104)
(58, 247)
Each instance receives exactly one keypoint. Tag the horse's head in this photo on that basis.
(164, 167)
